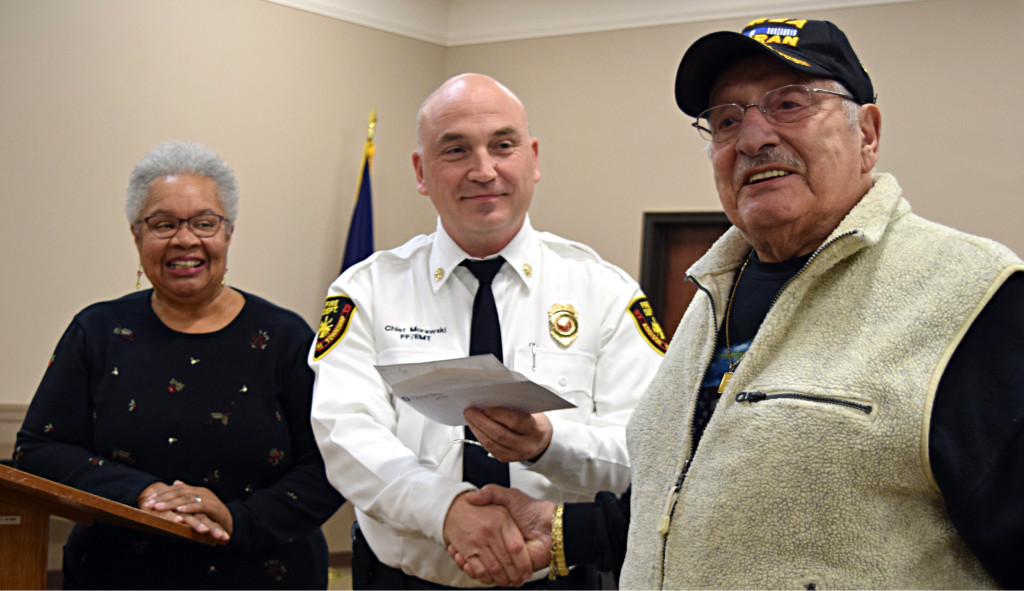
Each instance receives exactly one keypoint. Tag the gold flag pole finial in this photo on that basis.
(369, 133)
(373, 125)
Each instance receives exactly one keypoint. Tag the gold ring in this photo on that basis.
(199, 499)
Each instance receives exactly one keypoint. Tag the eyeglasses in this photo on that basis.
(782, 106)
(203, 225)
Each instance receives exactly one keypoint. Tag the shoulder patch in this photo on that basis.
(640, 310)
(338, 311)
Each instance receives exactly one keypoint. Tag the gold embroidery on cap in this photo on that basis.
(563, 323)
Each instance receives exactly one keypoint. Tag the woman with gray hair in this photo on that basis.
(190, 400)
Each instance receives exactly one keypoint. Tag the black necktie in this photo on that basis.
(484, 337)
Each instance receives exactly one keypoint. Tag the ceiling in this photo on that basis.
(465, 22)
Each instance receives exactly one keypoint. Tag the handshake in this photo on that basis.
(497, 535)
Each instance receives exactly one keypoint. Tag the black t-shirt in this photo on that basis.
(746, 309)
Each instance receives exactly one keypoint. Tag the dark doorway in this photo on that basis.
(671, 243)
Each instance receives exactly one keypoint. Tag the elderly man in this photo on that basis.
(561, 316)
(841, 405)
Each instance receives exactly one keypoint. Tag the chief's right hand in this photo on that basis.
(532, 517)
(489, 541)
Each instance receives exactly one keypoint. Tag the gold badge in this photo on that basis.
(563, 323)
(439, 274)
(527, 270)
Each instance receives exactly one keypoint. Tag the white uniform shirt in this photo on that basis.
(400, 470)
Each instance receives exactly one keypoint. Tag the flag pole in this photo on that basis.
(359, 243)
(372, 127)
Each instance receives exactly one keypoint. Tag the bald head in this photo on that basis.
(463, 87)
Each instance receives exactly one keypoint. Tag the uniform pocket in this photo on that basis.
(569, 374)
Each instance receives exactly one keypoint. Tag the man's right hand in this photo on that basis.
(489, 542)
(532, 517)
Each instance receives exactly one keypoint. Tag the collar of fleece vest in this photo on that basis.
(867, 222)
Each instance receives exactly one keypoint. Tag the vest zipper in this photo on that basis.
(753, 397)
(665, 521)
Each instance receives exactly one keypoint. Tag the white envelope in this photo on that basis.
(442, 390)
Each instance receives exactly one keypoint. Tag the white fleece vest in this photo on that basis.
(809, 492)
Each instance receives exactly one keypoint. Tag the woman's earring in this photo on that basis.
(138, 276)
(224, 277)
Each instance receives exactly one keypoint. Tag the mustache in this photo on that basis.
(767, 156)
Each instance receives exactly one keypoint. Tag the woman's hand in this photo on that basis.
(196, 506)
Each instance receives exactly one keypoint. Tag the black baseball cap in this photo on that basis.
(817, 48)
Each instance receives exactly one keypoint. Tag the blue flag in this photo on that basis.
(360, 230)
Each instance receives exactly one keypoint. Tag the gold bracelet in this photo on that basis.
(557, 568)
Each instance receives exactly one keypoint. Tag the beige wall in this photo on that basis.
(88, 86)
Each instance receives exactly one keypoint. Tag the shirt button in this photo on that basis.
(563, 381)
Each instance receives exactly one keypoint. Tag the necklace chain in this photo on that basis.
(728, 314)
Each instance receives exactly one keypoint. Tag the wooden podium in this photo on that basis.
(26, 503)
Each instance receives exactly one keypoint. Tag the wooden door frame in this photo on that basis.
(657, 226)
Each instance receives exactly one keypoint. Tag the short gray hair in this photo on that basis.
(178, 157)
(850, 107)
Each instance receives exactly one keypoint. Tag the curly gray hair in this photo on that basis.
(178, 157)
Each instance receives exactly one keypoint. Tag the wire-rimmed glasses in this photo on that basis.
(165, 226)
(783, 105)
